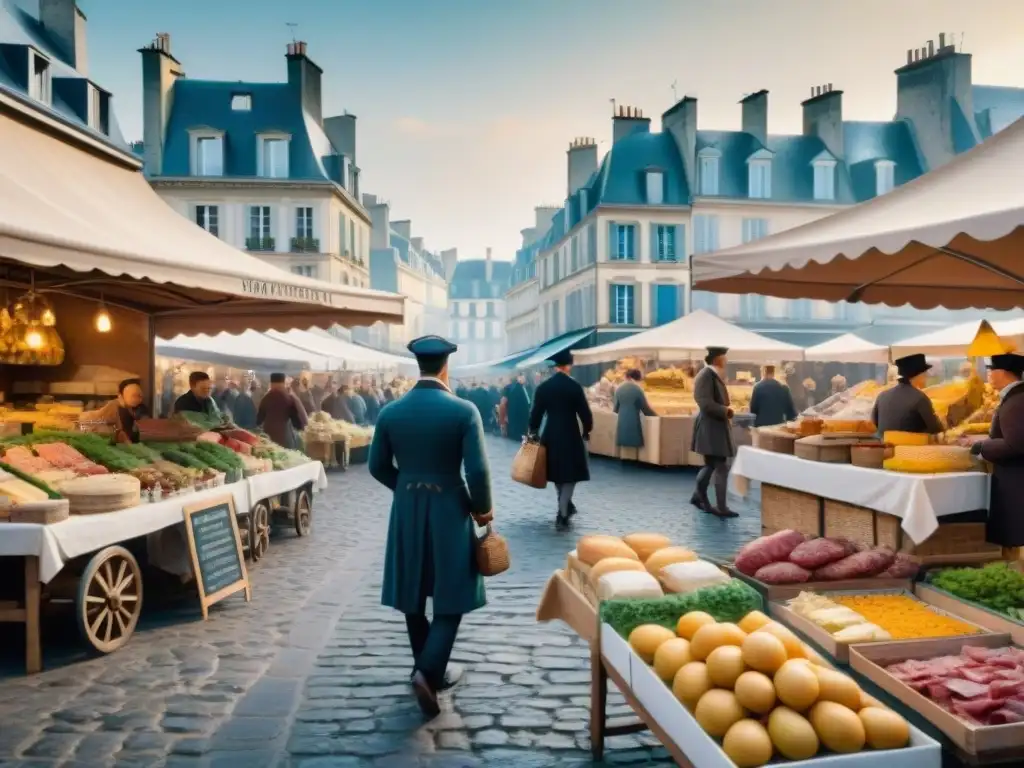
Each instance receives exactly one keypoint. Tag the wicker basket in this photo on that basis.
(953, 540)
(845, 521)
(783, 508)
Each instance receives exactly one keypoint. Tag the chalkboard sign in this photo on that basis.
(216, 550)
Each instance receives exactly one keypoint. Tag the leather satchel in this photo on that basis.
(530, 465)
(492, 555)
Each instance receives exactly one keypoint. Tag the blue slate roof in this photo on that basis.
(995, 107)
(867, 142)
(470, 280)
(524, 266)
(207, 104)
(18, 32)
(621, 179)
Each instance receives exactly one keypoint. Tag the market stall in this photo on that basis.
(95, 272)
(334, 354)
(249, 350)
(956, 341)
(848, 348)
(669, 389)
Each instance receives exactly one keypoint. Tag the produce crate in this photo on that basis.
(976, 744)
(578, 575)
(665, 715)
(786, 591)
(973, 612)
(784, 508)
(322, 451)
(841, 651)
(773, 439)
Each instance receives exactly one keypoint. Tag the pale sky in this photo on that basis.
(466, 107)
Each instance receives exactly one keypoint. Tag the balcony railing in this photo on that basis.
(305, 245)
(259, 244)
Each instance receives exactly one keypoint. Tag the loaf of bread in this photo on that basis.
(633, 584)
(613, 564)
(592, 549)
(646, 544)
(668, 556)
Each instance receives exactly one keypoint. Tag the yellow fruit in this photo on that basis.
(870, 701)
(717, 711)
(670, 657)
(838, 727)
(755, 691)
(796, 685)
(734, 635)
(792, 735)
(753, 621)
(667, 556)
(711, 636)
(794, 645)
(690, 622)
(747, 744)
(690, 683)
(725, 664)
(592, 549)
(646, 544)
(883, 728)
(837, 687)
(613, 564)
(764, 652)
(646, 639)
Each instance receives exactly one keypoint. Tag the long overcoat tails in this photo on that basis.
(563, 401)
(712, 431)
(630, 402)
(1005, 449)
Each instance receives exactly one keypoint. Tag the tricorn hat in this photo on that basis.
(714, 352)
(912, 365)
(1009, 362)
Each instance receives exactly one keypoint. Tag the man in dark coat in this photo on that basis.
(905, 408)
(630, 402)
(562, 400)
(244, 411)
(1004, 448)
(421, 446)
(281, 414)
(517, 408)
(198, 399)
(771, 402)
(371, 401)
(712, 434)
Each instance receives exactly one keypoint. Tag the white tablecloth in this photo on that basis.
(918, 499)
(268, 484)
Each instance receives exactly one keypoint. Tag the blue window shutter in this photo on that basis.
(655, 310)
(681, 251)
(613, 241)
(611, 305)
(631, 314)
(655, 256)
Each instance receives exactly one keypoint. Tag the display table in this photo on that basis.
(917, 500)
(268, 484)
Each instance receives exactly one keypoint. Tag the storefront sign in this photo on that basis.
(270, 290)
(216, 551)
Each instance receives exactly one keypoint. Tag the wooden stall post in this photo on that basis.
(33, 595)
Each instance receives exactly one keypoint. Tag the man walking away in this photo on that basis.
(771, 401)
(421, 446)
(712, 433)
(563, 401)
(281, 414)
(1005, 449)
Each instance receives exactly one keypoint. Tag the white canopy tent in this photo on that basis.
(848, 348)
(951, 238)
(954, 341)
(689, 337)
(337, 354)
(249, 350)
(84, 222)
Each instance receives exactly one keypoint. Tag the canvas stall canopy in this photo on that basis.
(250, 350)
(951, 238)
(956, 341)
(74, 223)
(337, 354)
(848, 348)
(688, 338)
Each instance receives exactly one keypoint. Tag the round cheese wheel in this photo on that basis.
(668, 556)
(646, 544)
(612, 564)
(593, 549)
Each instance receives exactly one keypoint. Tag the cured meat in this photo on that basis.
(982, 675)
(1005, 716)
(1005, 689)
(965, 689)
(977, 708)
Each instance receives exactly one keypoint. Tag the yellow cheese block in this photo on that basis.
(930, 459)
(905, 438)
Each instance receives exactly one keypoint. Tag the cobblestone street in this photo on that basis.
(314, 672)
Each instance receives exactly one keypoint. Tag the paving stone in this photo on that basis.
(453, 740)
(490, 737)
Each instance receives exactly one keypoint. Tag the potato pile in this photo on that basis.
(761, 691)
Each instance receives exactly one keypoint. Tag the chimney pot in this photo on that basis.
(942, 40)
(931, 48)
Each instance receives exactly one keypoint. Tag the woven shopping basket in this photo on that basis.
(530, 465)
(492, 555)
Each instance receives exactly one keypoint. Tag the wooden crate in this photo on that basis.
(784, 508)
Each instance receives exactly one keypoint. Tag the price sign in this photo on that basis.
(216, 551)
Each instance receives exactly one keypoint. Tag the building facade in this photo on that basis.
(616, 255)
(400, 263)
(257, 164)
(522, 302)
(476, 305)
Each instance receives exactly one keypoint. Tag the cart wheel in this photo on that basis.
(303, 513)
(109, 599)
(259, 531)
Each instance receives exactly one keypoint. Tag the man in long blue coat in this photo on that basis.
(420, 447)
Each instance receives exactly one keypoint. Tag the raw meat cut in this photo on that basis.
(965, 689)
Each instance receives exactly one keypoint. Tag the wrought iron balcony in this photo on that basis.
(259, 244)
(305, 245)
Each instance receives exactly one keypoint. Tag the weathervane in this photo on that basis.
(292, 26)
(675, 96)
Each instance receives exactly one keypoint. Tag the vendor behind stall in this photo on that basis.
(771, 402)
(198, 399)
(125, 411)
(281, 413)
(1004, 448)
(905, 407)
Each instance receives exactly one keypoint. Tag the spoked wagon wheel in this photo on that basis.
(259, 531)
(109, 599)
(303, 512)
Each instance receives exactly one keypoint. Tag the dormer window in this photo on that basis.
(759, 173)
(885, 176)
(824, 177)
(655, 187)
(241, 102)
(208, 153)
(272, 160)
(97, 108)
(708, 173)
(39, 83)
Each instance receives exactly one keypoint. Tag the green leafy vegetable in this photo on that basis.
(201, 420)
(996, 586)
(31, 481)
(726, 602)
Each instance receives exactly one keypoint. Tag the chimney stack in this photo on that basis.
(681, 122)
(160, 70)
(755, 115)
(304, 80)
(581, 162)
(823, 117)
(628, 120)
(65, 23)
